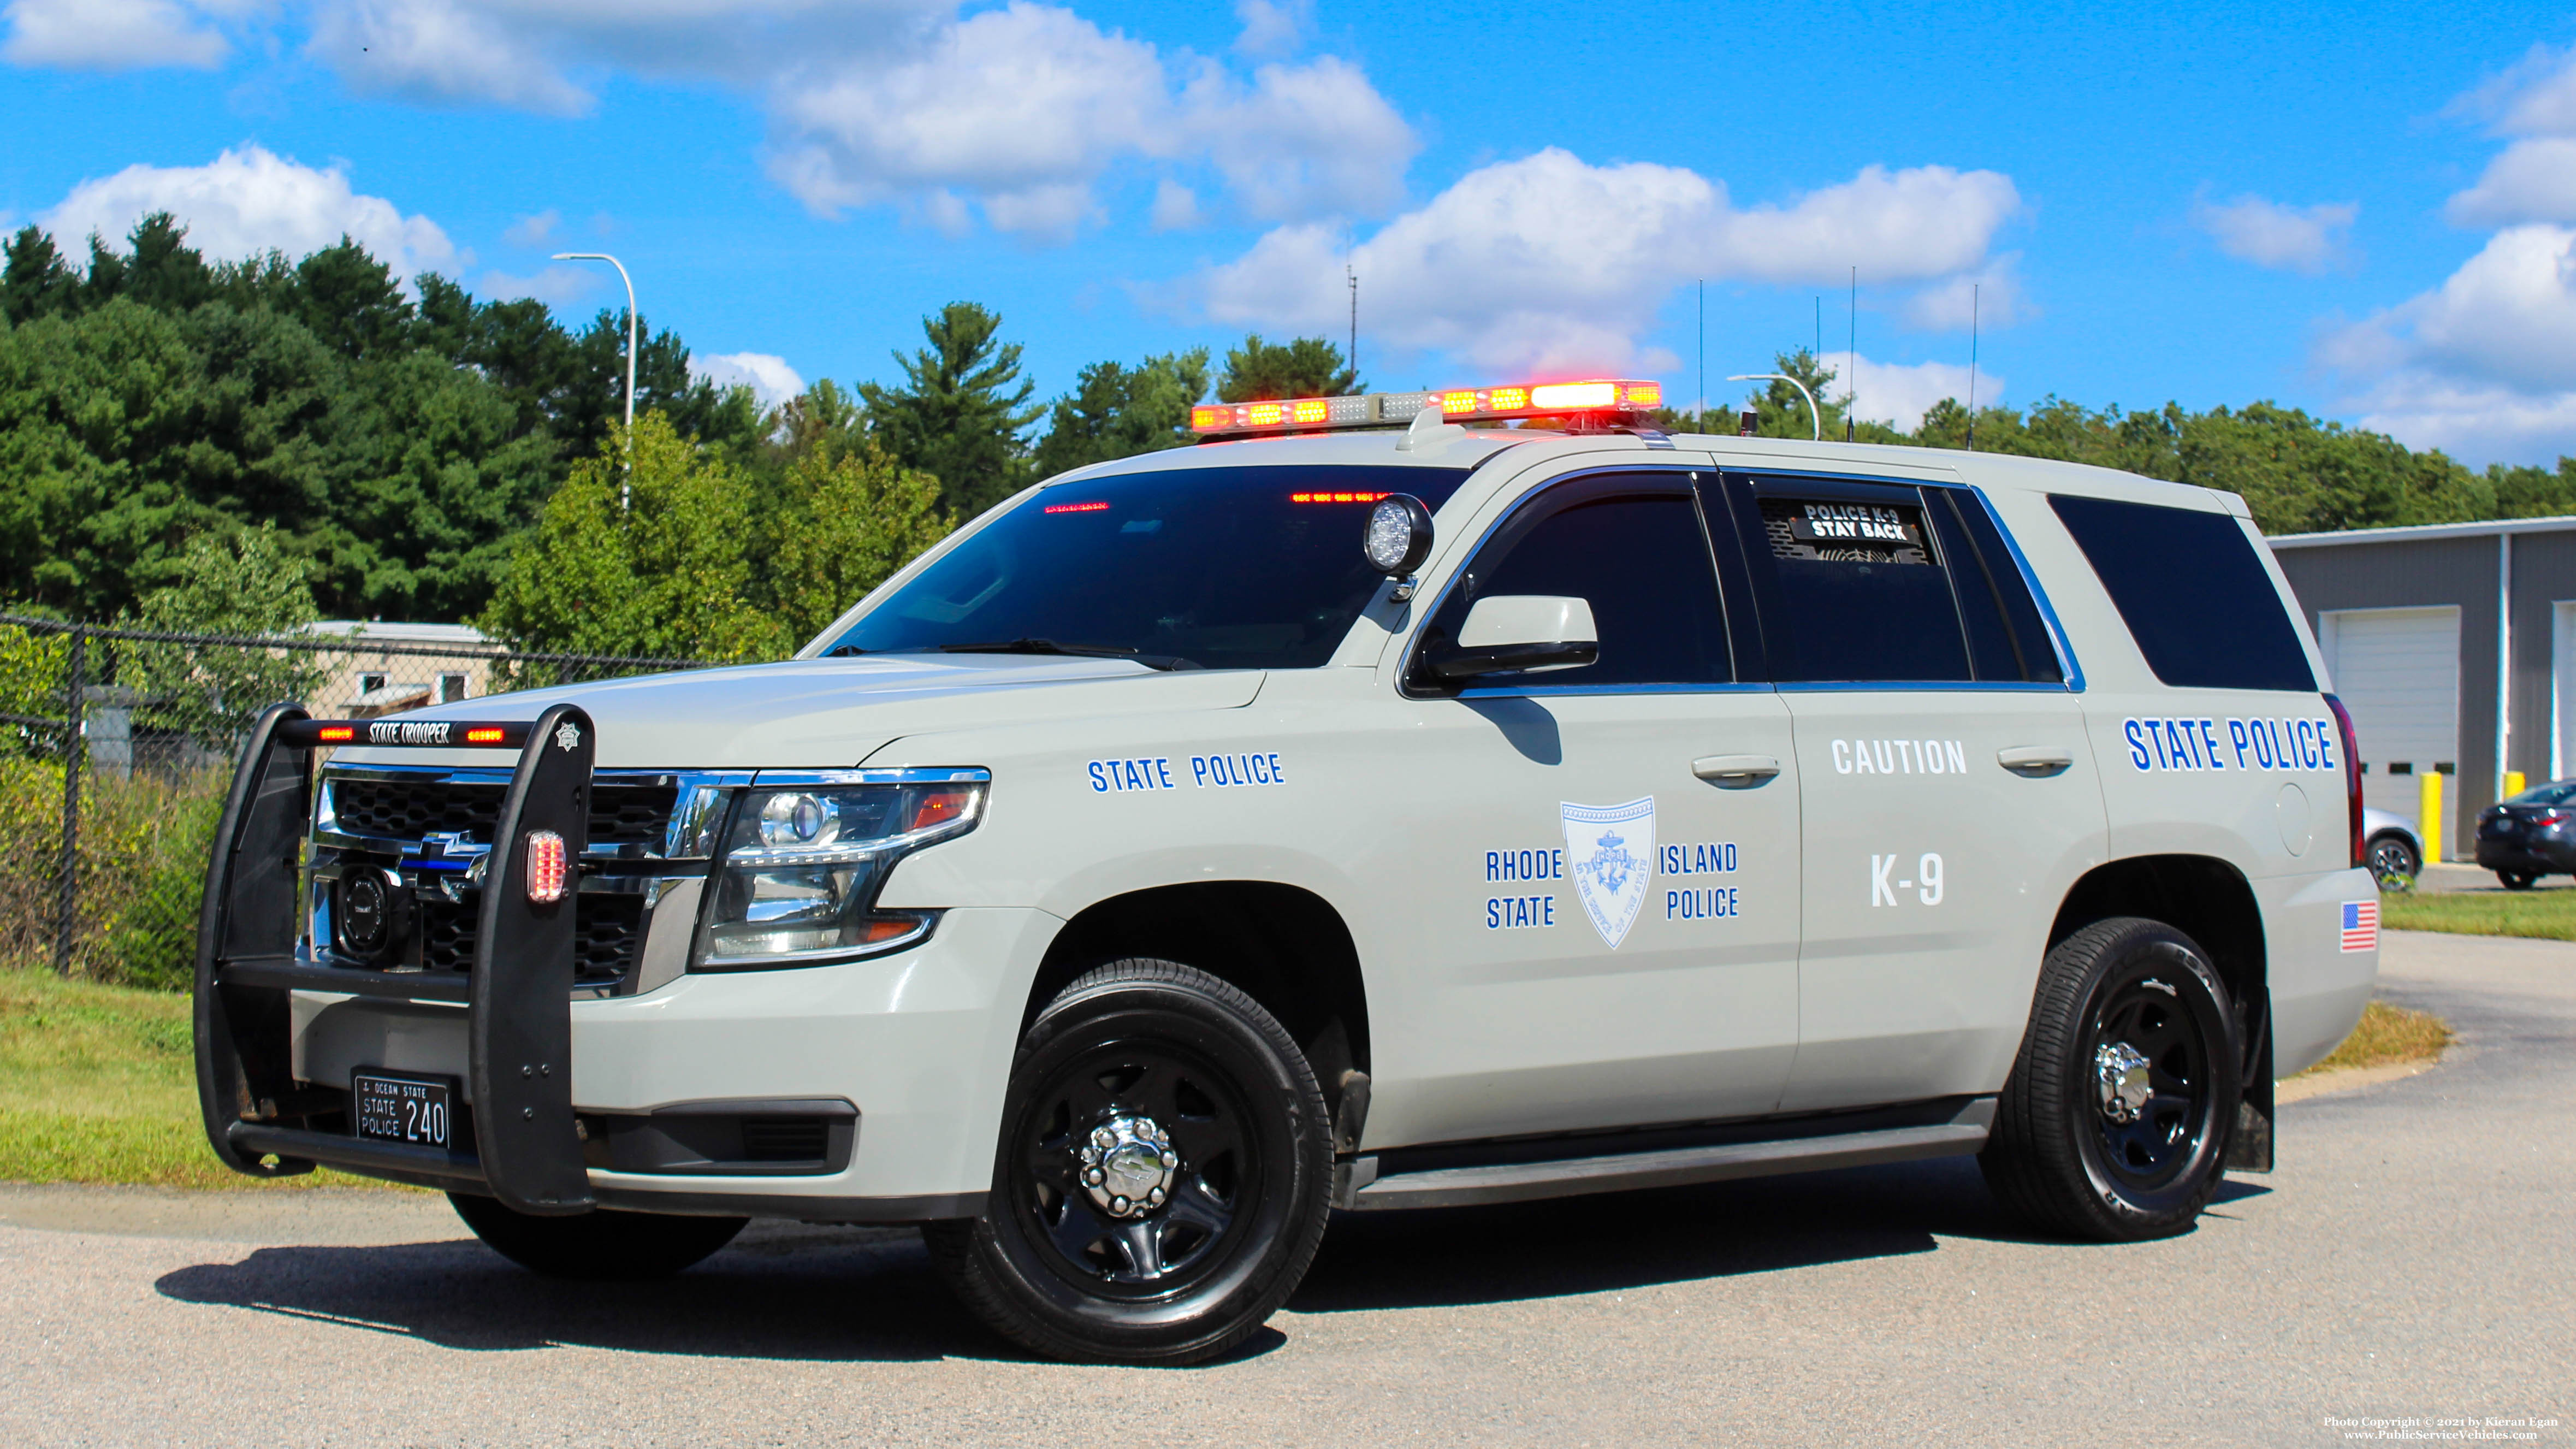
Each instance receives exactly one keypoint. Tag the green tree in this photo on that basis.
(667, 577)
(242, 582)
(1260, 371)
(959, 416)
(848, 519)
(1118, 412)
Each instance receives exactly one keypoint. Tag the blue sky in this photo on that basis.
(2366, 212)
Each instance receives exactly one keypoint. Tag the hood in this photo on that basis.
(831, 713)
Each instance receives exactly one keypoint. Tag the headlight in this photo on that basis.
(798, 882)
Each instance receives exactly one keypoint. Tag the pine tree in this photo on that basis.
(958, 418)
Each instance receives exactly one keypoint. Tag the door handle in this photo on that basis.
(2034, 762)
(1735, 772)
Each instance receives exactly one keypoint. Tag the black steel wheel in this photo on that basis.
(1162, 1179)
(2114, 1123)
(599, 1246)
(2518, 880)
(2393, 861)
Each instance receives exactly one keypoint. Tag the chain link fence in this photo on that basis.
(116, 746)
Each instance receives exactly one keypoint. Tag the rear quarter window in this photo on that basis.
(2192, 591)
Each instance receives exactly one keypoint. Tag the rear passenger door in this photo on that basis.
(1948, 795)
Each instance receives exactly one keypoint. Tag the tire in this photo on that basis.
(604, 1245)
(1135, 1056)
(2061, 1156)
(2392, 856)
(2518, 880)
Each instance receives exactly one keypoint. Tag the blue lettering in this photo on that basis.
(1163, 767)
(1097, 783)
(2138, 746)
(2263, 755)
(1275, 776)
(2209, 736)
(2326, 739)
(1198, 767)
(2236, 736)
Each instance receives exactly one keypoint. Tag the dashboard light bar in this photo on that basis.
(1603, 399)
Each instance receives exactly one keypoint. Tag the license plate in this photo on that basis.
(410, 1109)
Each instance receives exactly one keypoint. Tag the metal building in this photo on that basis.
(2413, 622)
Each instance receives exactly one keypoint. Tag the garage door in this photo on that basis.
(2398, 671)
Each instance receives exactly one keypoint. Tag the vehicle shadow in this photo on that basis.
(1567, 1246)
(853, 1294)
(784, 1291)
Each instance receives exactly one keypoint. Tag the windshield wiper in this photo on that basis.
(1026, 645)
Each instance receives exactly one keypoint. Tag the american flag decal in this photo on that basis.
(2361, 925)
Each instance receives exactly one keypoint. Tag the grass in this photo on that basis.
(98, 1084)
(2550, 915)
(2386, 1036)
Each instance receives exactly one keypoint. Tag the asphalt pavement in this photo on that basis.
(2409, 1261)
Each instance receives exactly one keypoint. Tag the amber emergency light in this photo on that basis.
(1604, 400)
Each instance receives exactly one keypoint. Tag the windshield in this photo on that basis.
(1214, 568)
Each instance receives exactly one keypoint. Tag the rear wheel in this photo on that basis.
(598, 1246)
(1163, 1176)
(2113, 1125)
(2518, 880)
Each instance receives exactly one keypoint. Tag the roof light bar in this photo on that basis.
(1615, 396)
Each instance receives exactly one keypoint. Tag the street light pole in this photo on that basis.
(1815, 420)
(626, 489)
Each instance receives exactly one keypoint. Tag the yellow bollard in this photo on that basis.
(2513, 783)
(2434, 834)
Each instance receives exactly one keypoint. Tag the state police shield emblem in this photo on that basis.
(1609, 855)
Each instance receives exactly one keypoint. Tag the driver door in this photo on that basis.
(1616, 934)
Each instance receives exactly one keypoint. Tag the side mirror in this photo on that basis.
(1399, 535)
(1521, 631)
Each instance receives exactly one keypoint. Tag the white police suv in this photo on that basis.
(1390, 813)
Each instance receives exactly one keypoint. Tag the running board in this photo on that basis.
(1571, 1177)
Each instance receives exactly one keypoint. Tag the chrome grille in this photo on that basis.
(407, 809)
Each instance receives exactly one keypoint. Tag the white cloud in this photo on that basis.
(1272, 27)
(554, 286)
(2535, 96)
(110, 35)
(534, 231)
(2531, 180)
(1548, 263)
(1024, 108)
(769, 378)
(1985, 299)
(2506, 317)
(1899, 394)
(2268, 233)
(251, 201)
(1176, 207)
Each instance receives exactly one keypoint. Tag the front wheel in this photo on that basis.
(2393, 862)
(1163, 1178)
(598, 1246)
(2113, 1125)
(2518, 880)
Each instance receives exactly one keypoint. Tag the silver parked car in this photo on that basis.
(2393, 847)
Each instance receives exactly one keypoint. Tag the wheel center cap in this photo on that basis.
(1127, 1166)
(2120, 1072)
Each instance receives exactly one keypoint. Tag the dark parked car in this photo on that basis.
(2529, 835)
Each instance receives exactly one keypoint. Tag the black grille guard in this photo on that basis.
(518, 998)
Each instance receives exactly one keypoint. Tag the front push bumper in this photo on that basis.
(911, 1049)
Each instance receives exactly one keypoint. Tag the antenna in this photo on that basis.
(1974, 291)
(1353, 356)
(1699, 412)
(1851, 359)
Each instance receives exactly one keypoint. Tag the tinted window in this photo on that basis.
(1639, 559)
(1224, 568)
(2007, 640)
(2193, 593)
(1858, 588)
